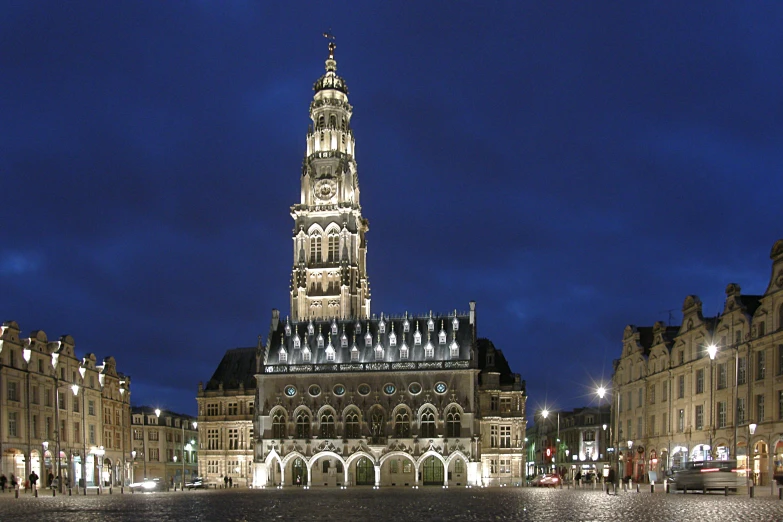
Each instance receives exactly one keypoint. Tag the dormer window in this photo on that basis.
(358, 328)
(320, 341)
(297, 342)
(454, 349)
(354, 354)
(287, 329)
(379, 352)
(393, 339)
(406, 326)
(430, 325)
(283, 355)
(334, 328)
(429, 351)
(382, 326)
(404, 351)
(455, 324)
(367, 339)
(417, 338)
(310, 329)
(330, 353)
(306, 354)
(442, 337)
(344, 341)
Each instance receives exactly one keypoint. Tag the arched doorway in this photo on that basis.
(778, 459)
(365, 472)
(13, 462)
(760, 464)
(432, 472)
(457, 472)
(299, 473)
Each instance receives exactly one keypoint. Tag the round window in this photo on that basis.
(389, 389)
(414, 388)
(440, 387)
(363, 389)
(339, 390)
(290, 390)
(315, 390)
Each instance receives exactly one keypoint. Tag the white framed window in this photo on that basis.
(442, 337)
(283, 355)
(306, 354)
(330, 353)
(382, 326)
(367, 339)
(417, 338)
(344, 341)
(354, 354)
(320, 341)
(455, 324)
(430, 325)
(406, 326)
(429, 351)
(393, 339)
(404, 351)
(334, 328)
(378, 352)
(454, 349)
(297, 342)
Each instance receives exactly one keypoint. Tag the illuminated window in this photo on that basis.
(315, 248)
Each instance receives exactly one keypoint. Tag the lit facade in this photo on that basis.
(90, 428)
(673, 403)
(165, 446)
(344, 397)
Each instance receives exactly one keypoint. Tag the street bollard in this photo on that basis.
(652, 487)
(726, 491)
(750, 491)
(110, 492)
(54, 492)
(780, 493)
(637, 488)
(16, 493)
(70, 492)
(704, 490)
(122, 490)
(36, 493)
(667, 487)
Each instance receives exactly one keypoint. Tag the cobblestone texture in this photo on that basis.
(424, 504)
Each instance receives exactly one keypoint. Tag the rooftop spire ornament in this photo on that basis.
(332, 46)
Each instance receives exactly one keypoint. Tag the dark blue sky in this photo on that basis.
(571, 166)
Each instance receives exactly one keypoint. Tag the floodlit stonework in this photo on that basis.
(344, 397)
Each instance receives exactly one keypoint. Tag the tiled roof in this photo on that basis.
(507, 377)
(238, 366)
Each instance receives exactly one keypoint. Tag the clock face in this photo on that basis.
(324, 189)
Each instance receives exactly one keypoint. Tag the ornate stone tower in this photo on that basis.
(329, 276)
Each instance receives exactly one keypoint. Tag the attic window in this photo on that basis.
(367, 339)
(406, 326)
(429, 351)
(344, 341)
(417, 338)
(393, 339)
(379, 352)
(358, 328)
(306, 354)
(297, 342)
(310, 329)
(431, 325)
(283, 355)
(334, 328)
(382, 326)
(330, 353)
(354, 354)
(454, 348)
(442, 337)
(490, 359)
(320, 341)
(404, 351)
(455, 324)
(287, 329)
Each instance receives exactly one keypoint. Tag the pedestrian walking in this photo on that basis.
(225, 481)
(230, 482)
(3, 482)
(13, 482)
(51, 478)
(609, 480)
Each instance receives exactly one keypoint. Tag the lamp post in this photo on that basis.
(185, 448)
(545, 413)
(82, 371)
(122, 432)
(45, 445)
(752, 430)
(75, 390)
(100, 452)
(133, 468)
(712, 350)
(601, 392)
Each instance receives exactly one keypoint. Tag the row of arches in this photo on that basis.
(396, 468)
(400, 424)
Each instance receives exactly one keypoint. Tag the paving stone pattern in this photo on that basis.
(425, 504)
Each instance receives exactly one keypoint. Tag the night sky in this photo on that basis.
(572, 166)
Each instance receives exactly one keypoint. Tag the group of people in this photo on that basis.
(13, 483)
(228, 481)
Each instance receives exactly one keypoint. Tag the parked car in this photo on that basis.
(546, 480)
(154, 484)
(195, 483)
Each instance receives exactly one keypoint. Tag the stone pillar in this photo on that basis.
(377, 475)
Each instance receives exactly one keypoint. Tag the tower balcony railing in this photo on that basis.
(368, 366)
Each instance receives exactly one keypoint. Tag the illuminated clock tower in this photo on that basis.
(329, 276)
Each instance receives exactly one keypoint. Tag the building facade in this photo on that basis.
(710, 388)
(165, 446)
(54, 403)
(226, 406)
(345, 397)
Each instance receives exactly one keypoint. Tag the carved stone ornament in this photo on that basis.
(779, 280)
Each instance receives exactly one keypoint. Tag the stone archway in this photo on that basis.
(398, 468)
(365, 472)
(13, 463)
(432, 473)
(298, 472)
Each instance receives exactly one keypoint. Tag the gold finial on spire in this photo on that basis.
(332, 46)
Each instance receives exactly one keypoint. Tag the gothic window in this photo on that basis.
(303, 426)
(278, 426)
(430, 325)
(455, 324)
(352, 426)
(287, 329)
(329, 353)
(310, 328)
(315, 248)
(334, 328)
(342, 124)
(427, 424)
(332, 121)
(321, 122)
(327, 426)
(283, 356)
(402, 425)
(454, 348)
(392, 339)
(306, 354)
(334, 247)
(378, 426)
(354, 354)
(453, 423)
(429, 351)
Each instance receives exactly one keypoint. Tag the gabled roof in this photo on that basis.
(501, 366)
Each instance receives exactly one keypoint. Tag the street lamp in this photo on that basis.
(601, 392)
(99, 452)
(712, 350)
(133, 468)
(45, 445)
(122, 431)
(752, 430)
(185, 448)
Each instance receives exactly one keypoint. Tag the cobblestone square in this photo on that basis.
(392, 504)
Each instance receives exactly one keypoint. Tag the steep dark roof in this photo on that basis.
(238, 366)
(343, 335)
(646, 338)
(751, 303)
(501, 366)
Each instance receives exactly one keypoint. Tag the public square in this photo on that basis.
(392, 504)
